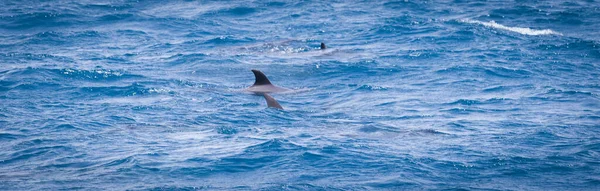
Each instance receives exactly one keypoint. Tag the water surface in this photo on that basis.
(410, 95)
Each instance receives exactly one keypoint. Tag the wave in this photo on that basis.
(521, 30)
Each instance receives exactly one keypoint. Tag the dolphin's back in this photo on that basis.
(260, 78)
(263, 85)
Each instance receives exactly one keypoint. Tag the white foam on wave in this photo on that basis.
(521, 30)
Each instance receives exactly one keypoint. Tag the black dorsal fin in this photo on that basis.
(261, 79)
(271, 102)
(323, 46)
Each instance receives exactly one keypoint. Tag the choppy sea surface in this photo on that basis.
(409, 95)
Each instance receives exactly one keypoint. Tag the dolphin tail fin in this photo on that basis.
(260, 78)
(271, 102)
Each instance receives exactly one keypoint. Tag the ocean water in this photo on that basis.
(410, 95)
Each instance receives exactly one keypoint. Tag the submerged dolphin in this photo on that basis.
(262, 85)
(271, 102)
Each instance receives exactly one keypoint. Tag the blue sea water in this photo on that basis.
(410, 95)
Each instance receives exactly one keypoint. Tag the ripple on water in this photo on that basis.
(6, 136)
(36, 154)
(40, 19)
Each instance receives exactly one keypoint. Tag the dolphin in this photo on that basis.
(323, 46)
(262, 86)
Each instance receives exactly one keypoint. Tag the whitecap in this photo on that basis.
(521, 30)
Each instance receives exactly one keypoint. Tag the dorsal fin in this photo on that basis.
(271, 102)
(261, 79)
(323, 46)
